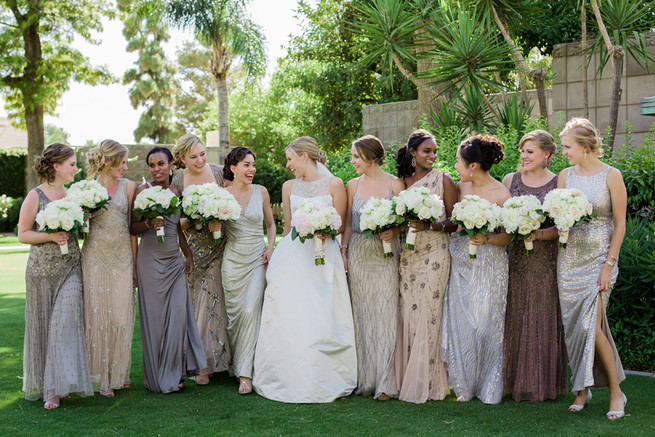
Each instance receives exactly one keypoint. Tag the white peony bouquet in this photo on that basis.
(521, 216)
(377, 216)
(313, 218)
(567, 206)
(61, 215)
(217, 204)
(190, 200)
(91, 196)
(417, 204)
(477, 216)
(156, 202)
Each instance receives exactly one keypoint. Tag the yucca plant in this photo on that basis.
(515, 113)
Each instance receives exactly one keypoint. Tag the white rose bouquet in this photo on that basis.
(61, 215)
(311, 219)
(190, 200)
(217, 204)
(417, 204)
(91, 196)
(567, 207)
(521, 216)
(377, 216)
(477, 216)
(156, 202)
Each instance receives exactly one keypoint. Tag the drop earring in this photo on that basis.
(544, 163)
(585, 154)
(170, 172)
(413, 162)
(471, 174)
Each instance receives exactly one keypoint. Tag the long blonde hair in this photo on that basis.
(108, 151)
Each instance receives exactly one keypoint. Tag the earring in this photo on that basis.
(544, 163)
(413, 162)
(585, 154)
(57, 171)
(471, 174)
(170, 172)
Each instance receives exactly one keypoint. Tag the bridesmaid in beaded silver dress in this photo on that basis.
(587, 268)
(372, 278)
(205, 281)
(245, 261)
(108, 271)
(54, 355)
(474, 306)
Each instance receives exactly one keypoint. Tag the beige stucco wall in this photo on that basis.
(391, 122)
(10, 136)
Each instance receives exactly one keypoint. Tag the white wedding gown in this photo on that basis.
(306, 347)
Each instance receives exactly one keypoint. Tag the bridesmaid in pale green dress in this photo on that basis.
(244, 262)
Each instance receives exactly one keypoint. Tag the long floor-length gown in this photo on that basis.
(172, 349)
(109, 299)
(306, 347)
(206, 287)
(373, 281)
(474, 321)
(578, 268)
(421, 372)
(244, 281)
(534, 353)
(54, 354)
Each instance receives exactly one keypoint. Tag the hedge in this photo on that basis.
(13, 164)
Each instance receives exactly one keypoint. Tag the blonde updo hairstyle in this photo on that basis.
(182, 147)
(370, 149)
(309, 146)
(585, 134)
(55, 153)
(108, 152)
(544, 141)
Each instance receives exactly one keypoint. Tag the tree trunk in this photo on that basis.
(223, 118)
(539, 76)
(583, 46)
(35, 142)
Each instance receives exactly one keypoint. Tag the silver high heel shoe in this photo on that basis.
(618, 414)
(577, 408)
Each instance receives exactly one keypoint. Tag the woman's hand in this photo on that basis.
(344, 256)
(214, 226)
(135, 283)
(419, 225)
(321, 236)
(60, 238)
(387, 235)
(189, 265)
(156, 223)
(268, 253)
(605, 278)
(479, 239)
(533, 236)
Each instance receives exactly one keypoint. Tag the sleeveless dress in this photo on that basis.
(373, 281)
(474, 321)
(534, 353)
(54, 353)
(306, 347)
(206, 288)
(420, 371)
(109, 299)
(578, 268)
(244, 281)
(172, 349)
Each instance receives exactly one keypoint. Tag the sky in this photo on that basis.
(100, 112)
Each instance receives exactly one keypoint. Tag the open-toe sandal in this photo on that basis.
(577, 408)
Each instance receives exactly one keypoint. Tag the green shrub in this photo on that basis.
(9, 212)
(272, 176)
(13, 165)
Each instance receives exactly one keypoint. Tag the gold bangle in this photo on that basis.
(609, 254)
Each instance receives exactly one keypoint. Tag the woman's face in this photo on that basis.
(425, 154)
(196, 158)
(245, 170)
(573, 150)
(358, 162)
(159, 166)
(295, 163)
(119, 170)
(463, 169)
(67, 169)
(532, 155)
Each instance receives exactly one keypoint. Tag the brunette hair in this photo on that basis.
(108, 151)
(545, 142)
(585, 134)
(55, 153)
(486, 150)
(235, 156)
(404, 156)
(310, 146)
(165, 151)
(370, 149)
(182, 147)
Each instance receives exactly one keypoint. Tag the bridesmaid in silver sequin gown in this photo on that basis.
(587, 268)
(54, 355)
(372, 278)
(245, 261)
(474, 306)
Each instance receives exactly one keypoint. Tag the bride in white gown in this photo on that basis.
(306, 347)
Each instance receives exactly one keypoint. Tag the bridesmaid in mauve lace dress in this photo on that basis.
(54, 355)
(108, 271)
(534, 354)
(420, 370)
(372, 278)
(245, 261)
(586, 269)
(205, 281)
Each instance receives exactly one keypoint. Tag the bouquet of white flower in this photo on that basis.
(155, 202)
(61, 215)
(190, 200)
(521, 216)
(217, 204)
(91, 196)
(417, 204)
(567, 207)
(377, 216)
(477, 216)
(313, 218)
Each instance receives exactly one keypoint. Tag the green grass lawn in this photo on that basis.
(218, 409)
(9, 240)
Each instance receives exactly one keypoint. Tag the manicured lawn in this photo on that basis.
(219, 410)
(9, 240)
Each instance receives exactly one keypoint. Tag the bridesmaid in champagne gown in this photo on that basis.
(205, 281)
(424, 271)
(474, 306)
(54, 355)
(107, 267)
(586, 268)
(372, 278)
(245, 261)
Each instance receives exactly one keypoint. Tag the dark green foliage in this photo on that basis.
(13, 163)
(515, 113)
(272, 176)
(10, 223)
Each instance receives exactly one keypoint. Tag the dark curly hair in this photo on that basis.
(55, 153)
(404, 156)
(235, 156)
(165, 151)
(486, 150)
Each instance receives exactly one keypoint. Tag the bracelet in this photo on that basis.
(611, 264)
(609, 254)
(145, 222)
(345, 246)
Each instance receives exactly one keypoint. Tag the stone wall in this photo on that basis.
(391, 122)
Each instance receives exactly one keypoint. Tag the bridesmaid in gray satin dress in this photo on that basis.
(244, 262)
(172, 349)
(587, 268)
(54, 356)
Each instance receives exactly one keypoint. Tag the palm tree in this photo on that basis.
(583, 47)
